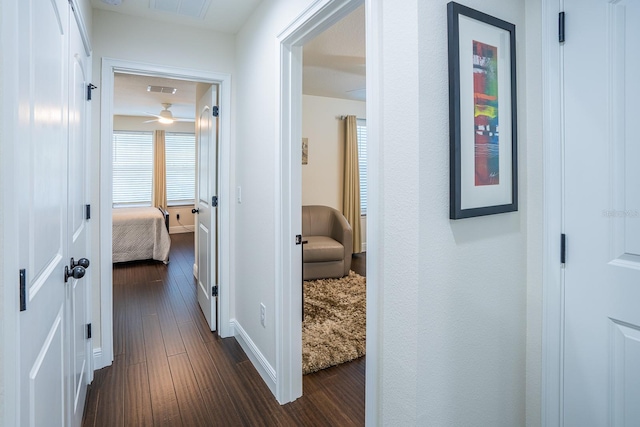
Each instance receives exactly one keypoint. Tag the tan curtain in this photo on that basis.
(159, 172)
(351, 197)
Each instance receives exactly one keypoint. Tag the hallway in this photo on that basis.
(169, 369)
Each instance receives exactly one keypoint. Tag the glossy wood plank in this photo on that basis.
(170, 369)
(134, 341)
(138, 408)
(192, 408)
(171, 335)
(164, 402)
(214, 393)
(359, 263)
(110, 412)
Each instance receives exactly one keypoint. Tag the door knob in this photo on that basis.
(195, 211)
(82, 262)
(76, 272)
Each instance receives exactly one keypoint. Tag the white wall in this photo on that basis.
(470, 294)
(256, 152)
(453, 294)
(135, 39)
(322, 177)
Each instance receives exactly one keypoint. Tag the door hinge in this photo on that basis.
(563, 248)
(90, 87)
(23, 289)
(87, 211)
(88, 330)
(215, 111)
(298, 239)
(214, 201)
(561, 27)
(214, 291)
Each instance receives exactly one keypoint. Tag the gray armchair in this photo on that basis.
(327, 253)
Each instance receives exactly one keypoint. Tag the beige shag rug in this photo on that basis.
(334, 326)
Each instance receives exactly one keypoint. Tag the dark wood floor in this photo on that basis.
(169, 369)
(359, 263)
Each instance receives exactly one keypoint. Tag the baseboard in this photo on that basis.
(266, 371)
(98, 363)
(181, 229)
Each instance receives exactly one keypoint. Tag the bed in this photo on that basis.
(140, 234)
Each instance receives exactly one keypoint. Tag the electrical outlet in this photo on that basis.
(178, 216)
(263, 315)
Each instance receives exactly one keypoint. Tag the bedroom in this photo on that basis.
(153, 162)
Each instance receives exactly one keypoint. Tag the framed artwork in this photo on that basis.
(305, 151)
(482, 114)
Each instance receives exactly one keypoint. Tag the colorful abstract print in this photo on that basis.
(485, 97)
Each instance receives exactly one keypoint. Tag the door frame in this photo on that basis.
(319, 16)
(104, 356)
(553, 218)
(9, 239)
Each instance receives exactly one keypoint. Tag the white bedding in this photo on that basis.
(139, 234)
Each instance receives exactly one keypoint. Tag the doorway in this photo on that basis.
(312, 22)
(334, 176)
(109, 69)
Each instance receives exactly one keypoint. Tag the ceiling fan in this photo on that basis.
(166, 117)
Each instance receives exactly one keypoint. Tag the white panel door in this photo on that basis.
(41, 180)
(206, 205)
(602, 213)
(79, 345)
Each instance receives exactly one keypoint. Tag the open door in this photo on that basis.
(206, 209)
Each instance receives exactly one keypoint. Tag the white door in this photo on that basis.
(78, 291)
(41, 180)
(602, 213)
(206, 209)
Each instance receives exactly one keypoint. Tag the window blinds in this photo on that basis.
(132, 168)
(362, 163)
(180, 149)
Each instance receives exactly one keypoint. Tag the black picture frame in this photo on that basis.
(482, 114)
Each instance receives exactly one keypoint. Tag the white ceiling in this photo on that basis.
(333, 62)
(130, 97)
(226, 16)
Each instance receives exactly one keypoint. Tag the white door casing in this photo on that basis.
(206, 235)
(104, 354)
(601, 360)
(318, 17)
(78, 291)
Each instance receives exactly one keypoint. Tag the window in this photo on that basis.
(180, 149)
(132, 168)
(362, 163)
